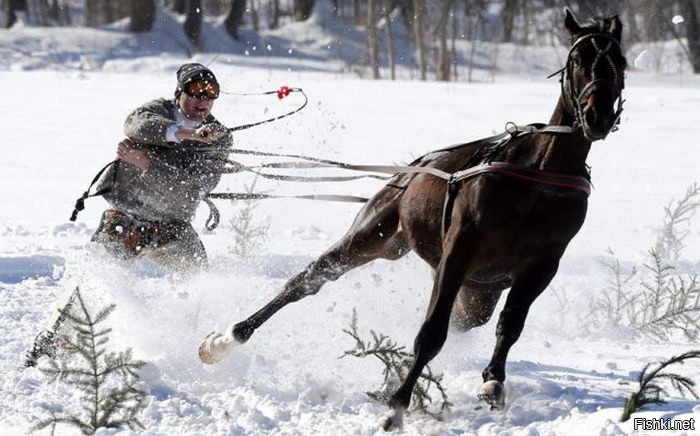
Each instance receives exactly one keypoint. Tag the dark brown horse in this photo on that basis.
(499, 230)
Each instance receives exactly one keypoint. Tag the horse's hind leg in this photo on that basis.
(375, 233)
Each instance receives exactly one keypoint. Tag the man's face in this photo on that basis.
(195, 109)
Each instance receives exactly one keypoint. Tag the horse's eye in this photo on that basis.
(576, 60)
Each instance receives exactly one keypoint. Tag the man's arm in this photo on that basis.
(152, 124)
(149, 124)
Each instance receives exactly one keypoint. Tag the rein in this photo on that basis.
(512, 130)
(283, 92)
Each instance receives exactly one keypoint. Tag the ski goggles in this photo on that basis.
(202, 88)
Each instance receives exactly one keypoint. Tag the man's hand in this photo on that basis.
(137, 158)
(208, 133)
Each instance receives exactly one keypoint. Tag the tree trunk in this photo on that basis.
(91, 13)
(64, 18)
(235, 17)
(444, 58)
(454, 41)
(508, 18)
(372, 38)
(143, 15)
(193, 23)
(693, 33)
(37, 12)
(274, 14)
(387, 8)
(357, 12)
(54, 12)
(180, 6)
(10, 8)
(302, 9)
(418, 24)
(409, 15)
(106, 12)
(255, 15)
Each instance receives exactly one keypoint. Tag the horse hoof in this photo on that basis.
(215, 347)
(493, 393)
(393, 420)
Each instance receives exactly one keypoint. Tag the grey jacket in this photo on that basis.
(178, 177)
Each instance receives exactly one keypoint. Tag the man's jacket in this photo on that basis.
(178, 176)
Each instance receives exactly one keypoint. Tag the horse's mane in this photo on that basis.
(597, 25)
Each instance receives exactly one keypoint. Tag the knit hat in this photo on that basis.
(190, 72)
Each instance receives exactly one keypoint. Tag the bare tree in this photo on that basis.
(235, 17)
(409, 15)
(180, 6)
(508, 18)
(274, 14)
(58, 13)
(143, 14)
(444, 62)
(10, 8)
(387, 8)
(454, 41)
(302, 9)
(193, 23)
(357, 12)
(92, 13)
(372, 43)
(420, 9)
(692, 8)
(255, 14)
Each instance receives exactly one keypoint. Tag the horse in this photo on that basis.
(504, 224)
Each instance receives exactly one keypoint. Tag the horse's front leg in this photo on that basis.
(527, 286)
(374, 234)
(456, 261)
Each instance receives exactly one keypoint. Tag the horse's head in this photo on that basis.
(593, 77)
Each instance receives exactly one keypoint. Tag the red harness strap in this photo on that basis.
(510, 170)
(525, 173)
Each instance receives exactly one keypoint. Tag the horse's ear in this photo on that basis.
(570, 23)
(616, 28)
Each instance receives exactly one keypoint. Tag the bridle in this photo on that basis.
(573, 98)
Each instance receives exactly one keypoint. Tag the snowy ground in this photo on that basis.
(60, 127)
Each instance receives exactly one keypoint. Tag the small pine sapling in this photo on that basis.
(248, 236)
(397, 361)
(676, 223)
(650, 390)
(667, 303)
(107, 381)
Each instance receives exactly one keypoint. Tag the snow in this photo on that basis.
(61, 125)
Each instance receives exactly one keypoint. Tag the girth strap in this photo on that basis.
(541, 177)
(532, 175)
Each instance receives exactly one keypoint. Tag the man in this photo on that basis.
(172, 158)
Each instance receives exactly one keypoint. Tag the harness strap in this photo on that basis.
(510, 170)
(214, 215)
(237, 167)
(256, 196)
(532, 175)
(80, 202)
